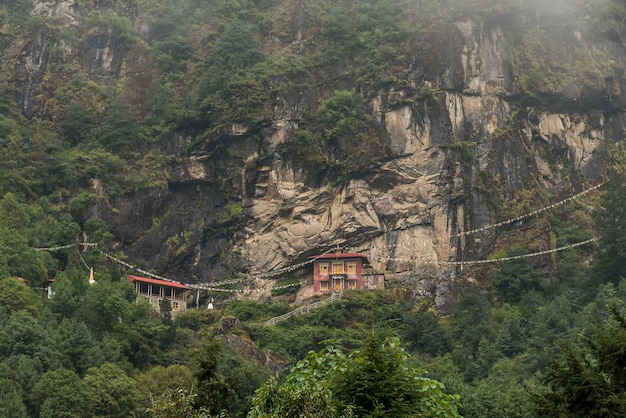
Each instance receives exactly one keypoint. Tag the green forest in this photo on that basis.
(525, 338)
(516, 345)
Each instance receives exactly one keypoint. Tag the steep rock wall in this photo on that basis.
(406, 210)
(472, 139)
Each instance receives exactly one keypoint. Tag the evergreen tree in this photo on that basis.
(214, 392)
(611, 223)
(17, 296)
(74, 342)
(237, 48)
(25, 336)
(377, 380)
(60, 393)
(11, 403)
(66, 299)
(588, 381)
(111, 393)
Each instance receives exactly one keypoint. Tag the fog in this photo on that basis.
(539, 7)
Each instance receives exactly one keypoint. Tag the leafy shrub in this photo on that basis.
(247, 310)
(76, 123)
(237, 48)
(196, 319)
(171, 53)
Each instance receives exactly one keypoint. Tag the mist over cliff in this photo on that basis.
(217, 137)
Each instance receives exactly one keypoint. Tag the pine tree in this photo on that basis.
(588, 381)
(611, 223)
(214, 392)
(376, 381)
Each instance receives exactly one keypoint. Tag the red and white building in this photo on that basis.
(154, 291)
(336, 272)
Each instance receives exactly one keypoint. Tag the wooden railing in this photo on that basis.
(303, 310)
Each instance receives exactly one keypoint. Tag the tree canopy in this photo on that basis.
(374, 381)
(588, 380)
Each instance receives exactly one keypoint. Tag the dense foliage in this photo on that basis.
(104, 355)
(588, 381)
(526, 338)
(373, 381)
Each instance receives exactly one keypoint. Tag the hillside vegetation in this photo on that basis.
(103, 104)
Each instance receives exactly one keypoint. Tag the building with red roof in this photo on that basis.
(155, 290)
(339, 271)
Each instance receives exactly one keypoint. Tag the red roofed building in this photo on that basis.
(155, 290)
(340, 271)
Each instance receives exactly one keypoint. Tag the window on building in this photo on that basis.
(174, 306)
(323, 269)
(179, 293)
(156, 289)
(167, 292)
(143, 288)
(351, 284)
(337, 268)
(352, 267)
(323, 286)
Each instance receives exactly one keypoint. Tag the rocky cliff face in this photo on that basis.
(446, 159)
